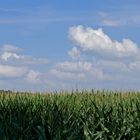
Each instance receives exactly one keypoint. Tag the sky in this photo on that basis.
(54, 45)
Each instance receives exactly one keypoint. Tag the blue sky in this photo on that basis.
(43, 45)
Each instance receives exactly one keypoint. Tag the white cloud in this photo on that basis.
(7, 71)
(11, 55)
(6, 55)
(32, 76)
(117, 19)
(10, 48)
(112, 66)
(105, 20)
(61, 75)
(74, 53)
(17, 68)
(77, 70)
(97, 61)
(110, 22)
(134, 66)
(74, 66)
(96, 41)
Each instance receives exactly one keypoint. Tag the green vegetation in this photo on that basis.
(96, 115)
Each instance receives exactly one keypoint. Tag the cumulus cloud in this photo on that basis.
(10, 48)
(74, 53)
(32, 77)
(61, 75)
(76, 70)
(11, 55)
(16, 59)
(96, 41)
(7, 71)
(134, 66)
(97, 61)
(101, 61)
(110, 66)
(19, 68)
(6, 55)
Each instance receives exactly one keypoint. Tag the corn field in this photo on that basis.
(83, 115)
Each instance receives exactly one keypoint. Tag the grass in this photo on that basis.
(94, 115)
